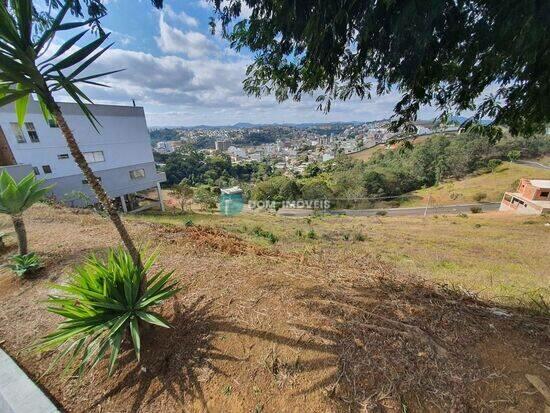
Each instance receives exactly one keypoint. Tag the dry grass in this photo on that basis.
(496, 255)
(305, 325)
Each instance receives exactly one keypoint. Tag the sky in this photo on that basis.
(184, 76)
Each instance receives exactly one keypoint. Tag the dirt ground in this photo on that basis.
(260, 329)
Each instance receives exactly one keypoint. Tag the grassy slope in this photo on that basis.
(497, 255)
(321, 325)
(492, 184)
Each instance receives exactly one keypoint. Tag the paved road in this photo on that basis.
(448, 209)
(533, 164)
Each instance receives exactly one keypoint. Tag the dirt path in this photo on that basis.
(260, 329)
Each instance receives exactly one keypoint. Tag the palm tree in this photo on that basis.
(25, 70)
(16, 197)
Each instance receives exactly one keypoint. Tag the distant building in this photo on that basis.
(120, 154)
(165, 147)
(255, 156)
(327, 157)
(236, 154)
(222, 145)
(532, 197)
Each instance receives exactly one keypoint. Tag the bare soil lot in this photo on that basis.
(289, 327)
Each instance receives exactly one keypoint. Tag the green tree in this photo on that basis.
(445, 53)
(25, 71)
(16, 197)
(184, 192)
(513, 156)
(206, 197)
(289, 190)
(315, 189)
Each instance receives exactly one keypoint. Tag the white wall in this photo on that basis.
(123, 137)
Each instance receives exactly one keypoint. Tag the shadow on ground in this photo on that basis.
(385, 345)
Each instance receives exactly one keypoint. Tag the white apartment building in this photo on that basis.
(120, 154)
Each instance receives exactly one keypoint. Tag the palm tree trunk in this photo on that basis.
(21, 233)
(97, 188)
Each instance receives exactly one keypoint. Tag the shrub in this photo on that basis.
(358, 236)
(480, 196)
(271, 237)
(493, 164)
(189, 223)
(476, 210)
(311, 234)
(23, 264)
(381, 213)
(16, 197)
(101, 302)
(299, 233)
(345, 237)
(514, 155)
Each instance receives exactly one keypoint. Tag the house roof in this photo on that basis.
(232, 190)
(540, 183)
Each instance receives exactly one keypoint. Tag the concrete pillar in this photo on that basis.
(123, 202)
(159, 192)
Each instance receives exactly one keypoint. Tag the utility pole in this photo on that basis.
(427, 204)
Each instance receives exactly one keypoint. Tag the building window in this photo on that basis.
(137, 173)
(31, 131)
(18, 132)
(85, 181)
(63, 156)
(92, 157)
(545, 194)
(47, 169)
(36, 170)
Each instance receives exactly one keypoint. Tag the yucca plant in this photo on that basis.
(16, 197)
(24, 264)
(101, 303)
(28, 66)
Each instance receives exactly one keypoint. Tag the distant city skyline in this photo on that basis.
(183, 75)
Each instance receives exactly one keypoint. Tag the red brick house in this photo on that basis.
(532, 197)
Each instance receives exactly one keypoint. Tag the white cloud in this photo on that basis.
(181, 16)
(180, 91)
(191, 43)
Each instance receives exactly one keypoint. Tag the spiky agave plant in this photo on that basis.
(24, 264)
(101, 303)
(16, 197)
(27, 66)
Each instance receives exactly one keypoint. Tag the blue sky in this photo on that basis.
(183, 75)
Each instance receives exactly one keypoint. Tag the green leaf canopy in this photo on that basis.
(487, 56)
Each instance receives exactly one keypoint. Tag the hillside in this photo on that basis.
(493, 184)
(366, 154)
(347, 319)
